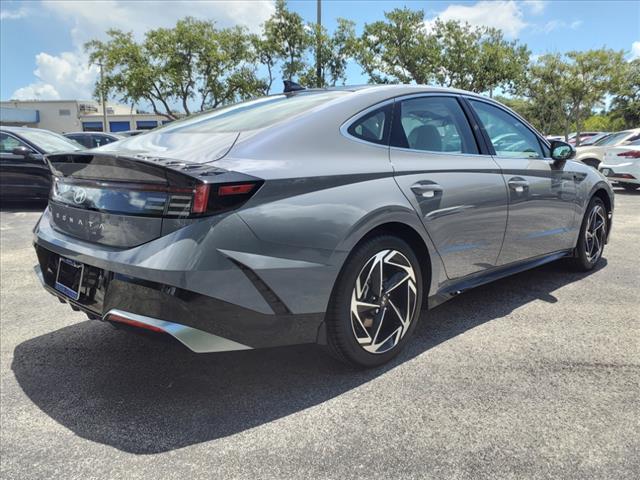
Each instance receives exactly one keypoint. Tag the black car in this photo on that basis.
(24, 175)
(93, 139)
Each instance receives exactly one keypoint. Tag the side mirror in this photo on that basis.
(561, 151)
(22, 151)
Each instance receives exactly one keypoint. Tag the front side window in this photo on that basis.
(509, 136)
(8, 143)
(373, 126)
(434, 124)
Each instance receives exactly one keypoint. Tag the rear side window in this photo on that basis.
(373, 127)
(509, 136)
(82, 140)
(434, 124)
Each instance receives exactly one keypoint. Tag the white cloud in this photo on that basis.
(505, 15)
(552, 25)
(68, 74)
(635, 50)
(92, 19)
(36, 91)
(535, 6)
(6, 14)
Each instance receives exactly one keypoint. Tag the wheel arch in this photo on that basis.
(417, 241)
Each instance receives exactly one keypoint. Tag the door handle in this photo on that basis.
(518, 184)
(427, 190)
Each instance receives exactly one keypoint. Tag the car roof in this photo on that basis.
(397, 89)
(18, 130)
(91, 133)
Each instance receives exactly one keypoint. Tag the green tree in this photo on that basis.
(334, 54)
(478, 59)
(592, 75)
(625, 105)
(191, 63)
(403, 49)
(289, 38)
(398, 49)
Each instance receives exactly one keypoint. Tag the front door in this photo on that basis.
(458, 192)
(542, 193)
(22, 177)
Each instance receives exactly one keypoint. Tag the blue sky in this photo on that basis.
(41, 42)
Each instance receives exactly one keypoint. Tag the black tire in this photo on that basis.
(629, 187)
(582, 260)
(341, 337)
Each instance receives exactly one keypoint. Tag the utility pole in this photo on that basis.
(105, 124)
(318, 43)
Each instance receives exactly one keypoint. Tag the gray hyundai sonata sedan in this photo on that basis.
(327, 216)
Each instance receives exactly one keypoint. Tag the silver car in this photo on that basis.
(315, 216)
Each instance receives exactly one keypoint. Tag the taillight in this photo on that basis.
(630, 154)
(213, 198)
(241, 189)
(200, 198)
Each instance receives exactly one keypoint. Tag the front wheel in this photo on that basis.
(376, 302)
(593, 235)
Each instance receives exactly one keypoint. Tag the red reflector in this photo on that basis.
(630, 154)
(200, 198)
(133, 323)
(235, 189)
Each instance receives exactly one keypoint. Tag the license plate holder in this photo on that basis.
(69, 277)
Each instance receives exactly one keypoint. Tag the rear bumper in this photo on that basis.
(628, 172)
(225, 306)
(196, 340)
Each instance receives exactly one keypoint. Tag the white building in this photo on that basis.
(64, 116)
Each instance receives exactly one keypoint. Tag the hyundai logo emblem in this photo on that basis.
(79, 195)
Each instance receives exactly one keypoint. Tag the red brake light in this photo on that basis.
(630, 154)
(134, 323)
(240, 189)
(200, 198)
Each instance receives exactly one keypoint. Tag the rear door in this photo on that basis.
(457, 190)
(20, 176)
(542, 193)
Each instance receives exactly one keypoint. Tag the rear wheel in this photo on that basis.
(376, 302)
(593, 235)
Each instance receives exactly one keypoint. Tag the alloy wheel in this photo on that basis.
(383, 302)
(595, 233)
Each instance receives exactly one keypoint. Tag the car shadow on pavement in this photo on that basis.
(23, 206)
(145, 396)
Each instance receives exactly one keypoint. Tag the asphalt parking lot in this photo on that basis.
(535, 376)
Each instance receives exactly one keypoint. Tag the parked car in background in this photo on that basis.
(555, 137)
(94, 139)
(594, 139)
(621, 165)
(326, 216)
(131, 133)
(573, 137)
(24, 174)
(593, 155)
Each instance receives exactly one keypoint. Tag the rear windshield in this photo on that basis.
(251, 115)
(50, 142)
